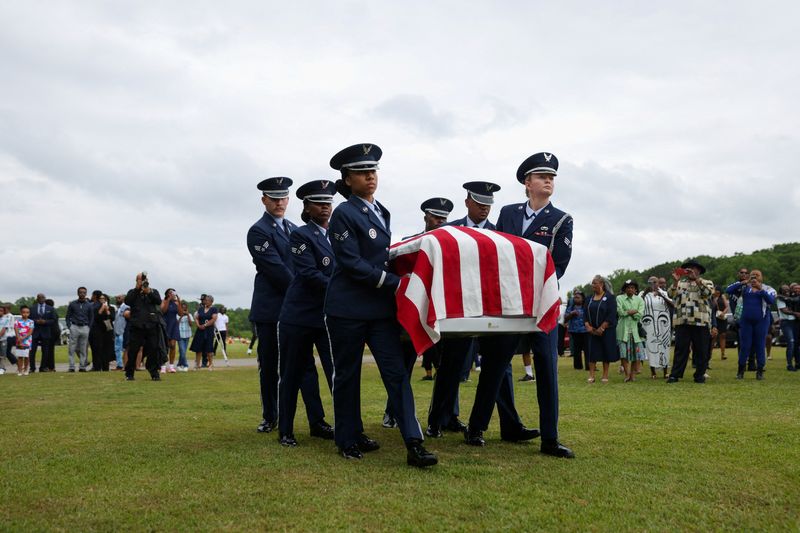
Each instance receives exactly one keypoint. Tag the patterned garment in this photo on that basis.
(692, 302)
(24, 330)
(632, 351)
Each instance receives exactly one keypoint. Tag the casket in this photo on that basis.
(468, 281)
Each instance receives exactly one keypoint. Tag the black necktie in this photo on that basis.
(286, 228)
(41, 310)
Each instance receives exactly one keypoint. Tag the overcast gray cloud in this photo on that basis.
(132, 134)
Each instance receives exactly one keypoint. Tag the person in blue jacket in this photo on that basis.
(302, 325)
(756, 318)
(537, 219)
(600, 321)
(268, 244)
(436, 211)
(360, 309)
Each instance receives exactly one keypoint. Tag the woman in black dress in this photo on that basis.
(102, 334)
(600, 312)
(203, 342)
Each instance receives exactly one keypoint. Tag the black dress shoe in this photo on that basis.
(265, 427)
(351, 452)
(418, 456)
(323, 430)
(81, 370)
(71, 370)
(427, 378)
(699, 380)
(474, 437)
(366, 444)
(155, 377)
(556, 449)
(759, 374)
(456, 425)
(672, 379)
(288, 440)
(389, 421)
(127, 377)
(521, 435)
(433, 432)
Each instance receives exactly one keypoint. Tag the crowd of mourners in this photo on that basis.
(100, 328)
(636, 326)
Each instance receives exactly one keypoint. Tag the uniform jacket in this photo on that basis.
(541, 231)
(313, 263)
(361, 287)
(43, 330)
(463, 222)
(268, 245)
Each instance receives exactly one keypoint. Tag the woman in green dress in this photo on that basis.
(630, 308)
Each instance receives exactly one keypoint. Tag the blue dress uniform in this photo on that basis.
(551, 228)
(439, 208)
(360, 308)
(268, 244)
(302, 324)
(497, 351)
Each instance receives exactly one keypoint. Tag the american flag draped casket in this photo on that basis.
(455, 275)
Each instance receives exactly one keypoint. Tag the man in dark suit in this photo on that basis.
(268, 244)
(43, 317)
(538, 220)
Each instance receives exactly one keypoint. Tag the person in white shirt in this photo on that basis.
(222, 326)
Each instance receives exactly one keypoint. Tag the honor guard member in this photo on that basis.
(538, 220)
(360, 308)
(268, 244)
(457, 353)
(436, 211)
(302, 324)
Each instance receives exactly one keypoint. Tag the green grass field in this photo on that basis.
(87, 452)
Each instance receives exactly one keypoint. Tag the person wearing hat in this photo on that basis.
(537, 219)
(691, 295)
(458, 352)
(435, 213)
(480, 197)
(360, 309)
(630, 310)
(268, 244)
(301, 322)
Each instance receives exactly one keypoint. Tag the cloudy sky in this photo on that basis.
(132, 134)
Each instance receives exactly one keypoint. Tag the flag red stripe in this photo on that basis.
(451, 270)
(490, 272)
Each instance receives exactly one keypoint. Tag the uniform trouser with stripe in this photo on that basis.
(409, 360)
(444, 400)
(544, 347)
(298, 373)
(348, 337)
(268, 369)
(495, 385)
